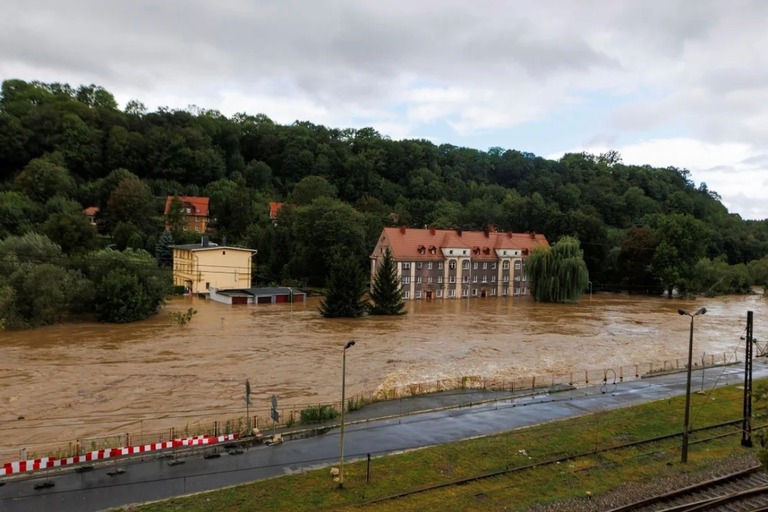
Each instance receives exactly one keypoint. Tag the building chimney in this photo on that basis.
(432, 231)
(204, 241)
(533, 236)
(458, 232)
(402, 229)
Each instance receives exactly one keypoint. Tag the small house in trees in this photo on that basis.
(439, 263)
(90, 214)
(274, 210)
(200, 267)
(192, 213)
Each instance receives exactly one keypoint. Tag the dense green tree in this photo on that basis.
(310, 188)
(131, 202)
(18, 213)
(321, 229)
(680, 242)
(557, 274)
(41, 179)
(346, 286)
(128, 284)
(387, 293)
(71, 231)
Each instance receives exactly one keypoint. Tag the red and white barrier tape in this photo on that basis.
(22, 466)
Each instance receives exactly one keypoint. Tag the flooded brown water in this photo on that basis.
(73, 381)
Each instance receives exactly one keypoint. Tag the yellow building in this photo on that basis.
(200, 267)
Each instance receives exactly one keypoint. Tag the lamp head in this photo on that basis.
(682, 312)
(350, 343)
(700, 312)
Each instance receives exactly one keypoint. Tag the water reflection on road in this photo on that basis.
(76, 380)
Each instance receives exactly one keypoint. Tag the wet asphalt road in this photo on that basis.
(153, 478)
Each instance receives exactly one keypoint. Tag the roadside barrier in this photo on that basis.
(48, 462)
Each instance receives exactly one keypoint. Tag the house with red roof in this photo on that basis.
(440, 263)
(195, 212)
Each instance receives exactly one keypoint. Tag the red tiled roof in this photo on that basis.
(91, 210)
(417, 244)
(198, 205)
(274, 209)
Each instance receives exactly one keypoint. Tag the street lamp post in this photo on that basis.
(349, 344)
(686, 426)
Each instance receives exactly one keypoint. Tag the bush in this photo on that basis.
(318, 413)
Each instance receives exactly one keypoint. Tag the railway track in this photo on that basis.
(743, 491)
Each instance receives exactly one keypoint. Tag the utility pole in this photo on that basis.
(746, 429)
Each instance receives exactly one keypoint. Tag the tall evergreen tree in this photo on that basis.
(557, 274)
(163, 250)
(345, 286)
(387, 294)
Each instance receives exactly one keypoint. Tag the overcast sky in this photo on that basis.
(663, 82)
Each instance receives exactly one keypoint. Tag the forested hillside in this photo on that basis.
(642, 229)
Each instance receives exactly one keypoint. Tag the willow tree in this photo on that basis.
(557, 274)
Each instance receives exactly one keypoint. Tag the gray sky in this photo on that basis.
(664, 82)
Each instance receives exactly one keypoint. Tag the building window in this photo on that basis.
(429, 279)
(493, 291)
(197, 219)
(451, 279)
(429, 265)
(464, 279)
(197, 228)
(474, 278)
(418, 294)
(207, 286)
(485, 265)
(406, 265)
(465, 265)
(418, 280)
(439, 265)
(406, 295)
(452, 264)
(517, 265)
(439, 293)
(517, 278)
(504, 291)
(493, 279)
(474, 265)
(465, 293)
(224, 253)
(506, 279)
(406, 279)
(505, 265)
(439, 279)
(451, 293)
(418, 266)
(524, 291)
(485, 279)
(493, 265)
(474, 292)
(517, 291)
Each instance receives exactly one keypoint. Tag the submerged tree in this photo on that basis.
(346, 284)
(557, 274)
(387, 294)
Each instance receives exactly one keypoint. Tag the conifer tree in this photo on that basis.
(345, 286)
(387, 294)
(557, 274)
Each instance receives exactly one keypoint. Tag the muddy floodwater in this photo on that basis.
(72, 381)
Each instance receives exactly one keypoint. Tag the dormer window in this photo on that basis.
(422, 249)
(486, 250)
(432, 249)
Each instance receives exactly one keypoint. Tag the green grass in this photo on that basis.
(597, 472)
